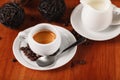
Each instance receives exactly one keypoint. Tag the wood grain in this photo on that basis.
(102, 58)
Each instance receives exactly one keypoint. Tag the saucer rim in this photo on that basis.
(85, 34)
(22, 61)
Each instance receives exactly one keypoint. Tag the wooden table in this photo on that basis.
(102, 58)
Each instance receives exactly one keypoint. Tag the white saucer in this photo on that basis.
(67, 39)
(107, 34)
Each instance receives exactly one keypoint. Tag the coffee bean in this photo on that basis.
(29, 53)
(77, 62)
(82, 62)
(72, 64)
(32, 18)
(77, 36)
(67, 23)
(87, 43)
(14, 60)
(0, 38)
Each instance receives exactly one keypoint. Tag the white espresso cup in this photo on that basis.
(96, 15)
(44, 49)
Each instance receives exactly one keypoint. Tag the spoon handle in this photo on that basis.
(78, 42)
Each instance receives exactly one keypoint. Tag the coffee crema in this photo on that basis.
(44, 37)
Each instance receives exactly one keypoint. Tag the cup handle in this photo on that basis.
(22, 35)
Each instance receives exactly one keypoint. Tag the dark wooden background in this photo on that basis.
(102, 58)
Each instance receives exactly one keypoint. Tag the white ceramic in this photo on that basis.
(66, 39)
(116, 14)
(109, 33)
(96, 14)
(43, 49)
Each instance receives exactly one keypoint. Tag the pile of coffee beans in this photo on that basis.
(29, 53)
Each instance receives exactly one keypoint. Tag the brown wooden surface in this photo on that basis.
(102, 58)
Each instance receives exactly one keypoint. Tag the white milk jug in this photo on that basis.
(96, 15)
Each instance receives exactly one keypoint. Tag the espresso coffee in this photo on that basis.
(44, 37)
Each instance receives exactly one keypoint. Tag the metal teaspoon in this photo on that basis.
(48, 60)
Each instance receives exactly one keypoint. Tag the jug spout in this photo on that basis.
(83, 2)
